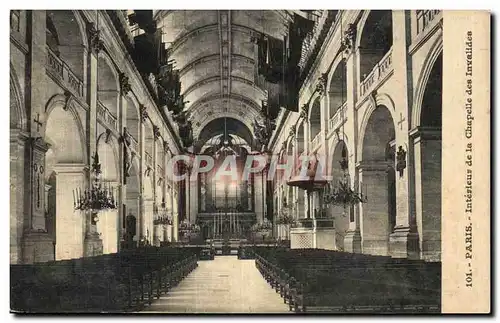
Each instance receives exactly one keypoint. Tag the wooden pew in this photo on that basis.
(126, 281)
(320, 280)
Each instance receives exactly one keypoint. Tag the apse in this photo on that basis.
(217, 126)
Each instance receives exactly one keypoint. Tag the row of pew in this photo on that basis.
(315, 280)
(120, 282)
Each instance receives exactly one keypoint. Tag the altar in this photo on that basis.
(225, 225)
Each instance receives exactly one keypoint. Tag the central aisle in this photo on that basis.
(223, 285)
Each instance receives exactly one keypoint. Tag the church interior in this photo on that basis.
(109, 108)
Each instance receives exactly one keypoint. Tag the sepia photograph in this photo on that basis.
(249, 161)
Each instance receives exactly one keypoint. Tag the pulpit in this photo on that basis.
(313, 233)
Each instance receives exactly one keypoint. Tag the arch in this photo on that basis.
(427, 151)
(211, 96)
(59, 129)
(108, 84)
(108, 157)
(147, 183)
(340, 153)
(66, 36)
(381, 99)
(133, 122)
(315, 118)
(374, 39)
(342, 137)
(337, 92)
(300, 138)
(18, 114)
(379, 131)
(132, 211)
(425, 72)
(149, 139)
(216, 126)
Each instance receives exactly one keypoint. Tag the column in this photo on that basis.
(374, 215)
(71, 225)
(122, 189)
(352, 240)
(427, 148)
(175, 216)
(404, 240)
(154, 235)
(109, 227)
(147, 229)
(259, 197)
(18, 190)
(193, 199)
(187, 196)
(142, 168)
(37, 245)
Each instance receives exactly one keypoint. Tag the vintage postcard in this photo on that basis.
(250, 161)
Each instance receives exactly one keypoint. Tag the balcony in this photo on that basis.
(425, 18)
(106, 117)
(378, 73)
(316, 142)
(338, 119)
(58, 69)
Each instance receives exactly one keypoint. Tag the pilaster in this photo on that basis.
(71, 224)
(403, 240)
(374, 215)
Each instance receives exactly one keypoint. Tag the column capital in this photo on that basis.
(349, 39)
(156, 132)
(373, 165)
(304, 112)
(125, 86)
(39, 144)
(321, 85)
(70, 169)
(19, 136)
(94, 36)
(143, 112)
(426, 133)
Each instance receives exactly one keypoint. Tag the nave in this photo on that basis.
(224, 285)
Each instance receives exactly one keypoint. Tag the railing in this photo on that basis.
(424, 18)
(305, 223)
(59, 69)
(106, 116)
(316, 141)
(338, 118)
(324, 223)
(149, 159)
(311, 39)
(383, 67)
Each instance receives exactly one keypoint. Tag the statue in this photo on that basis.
(401, 160)
(264, 131)
(185, 128)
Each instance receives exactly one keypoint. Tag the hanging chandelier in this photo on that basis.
(99, 197)
(342, 193)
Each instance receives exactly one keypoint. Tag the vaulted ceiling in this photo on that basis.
(217, 60)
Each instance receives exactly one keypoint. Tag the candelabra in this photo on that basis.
(343, 194)
(99, 196)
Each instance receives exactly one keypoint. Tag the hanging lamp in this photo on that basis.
(342, 193)
(99, 196)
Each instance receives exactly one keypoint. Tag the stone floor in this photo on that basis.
(223, 285)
